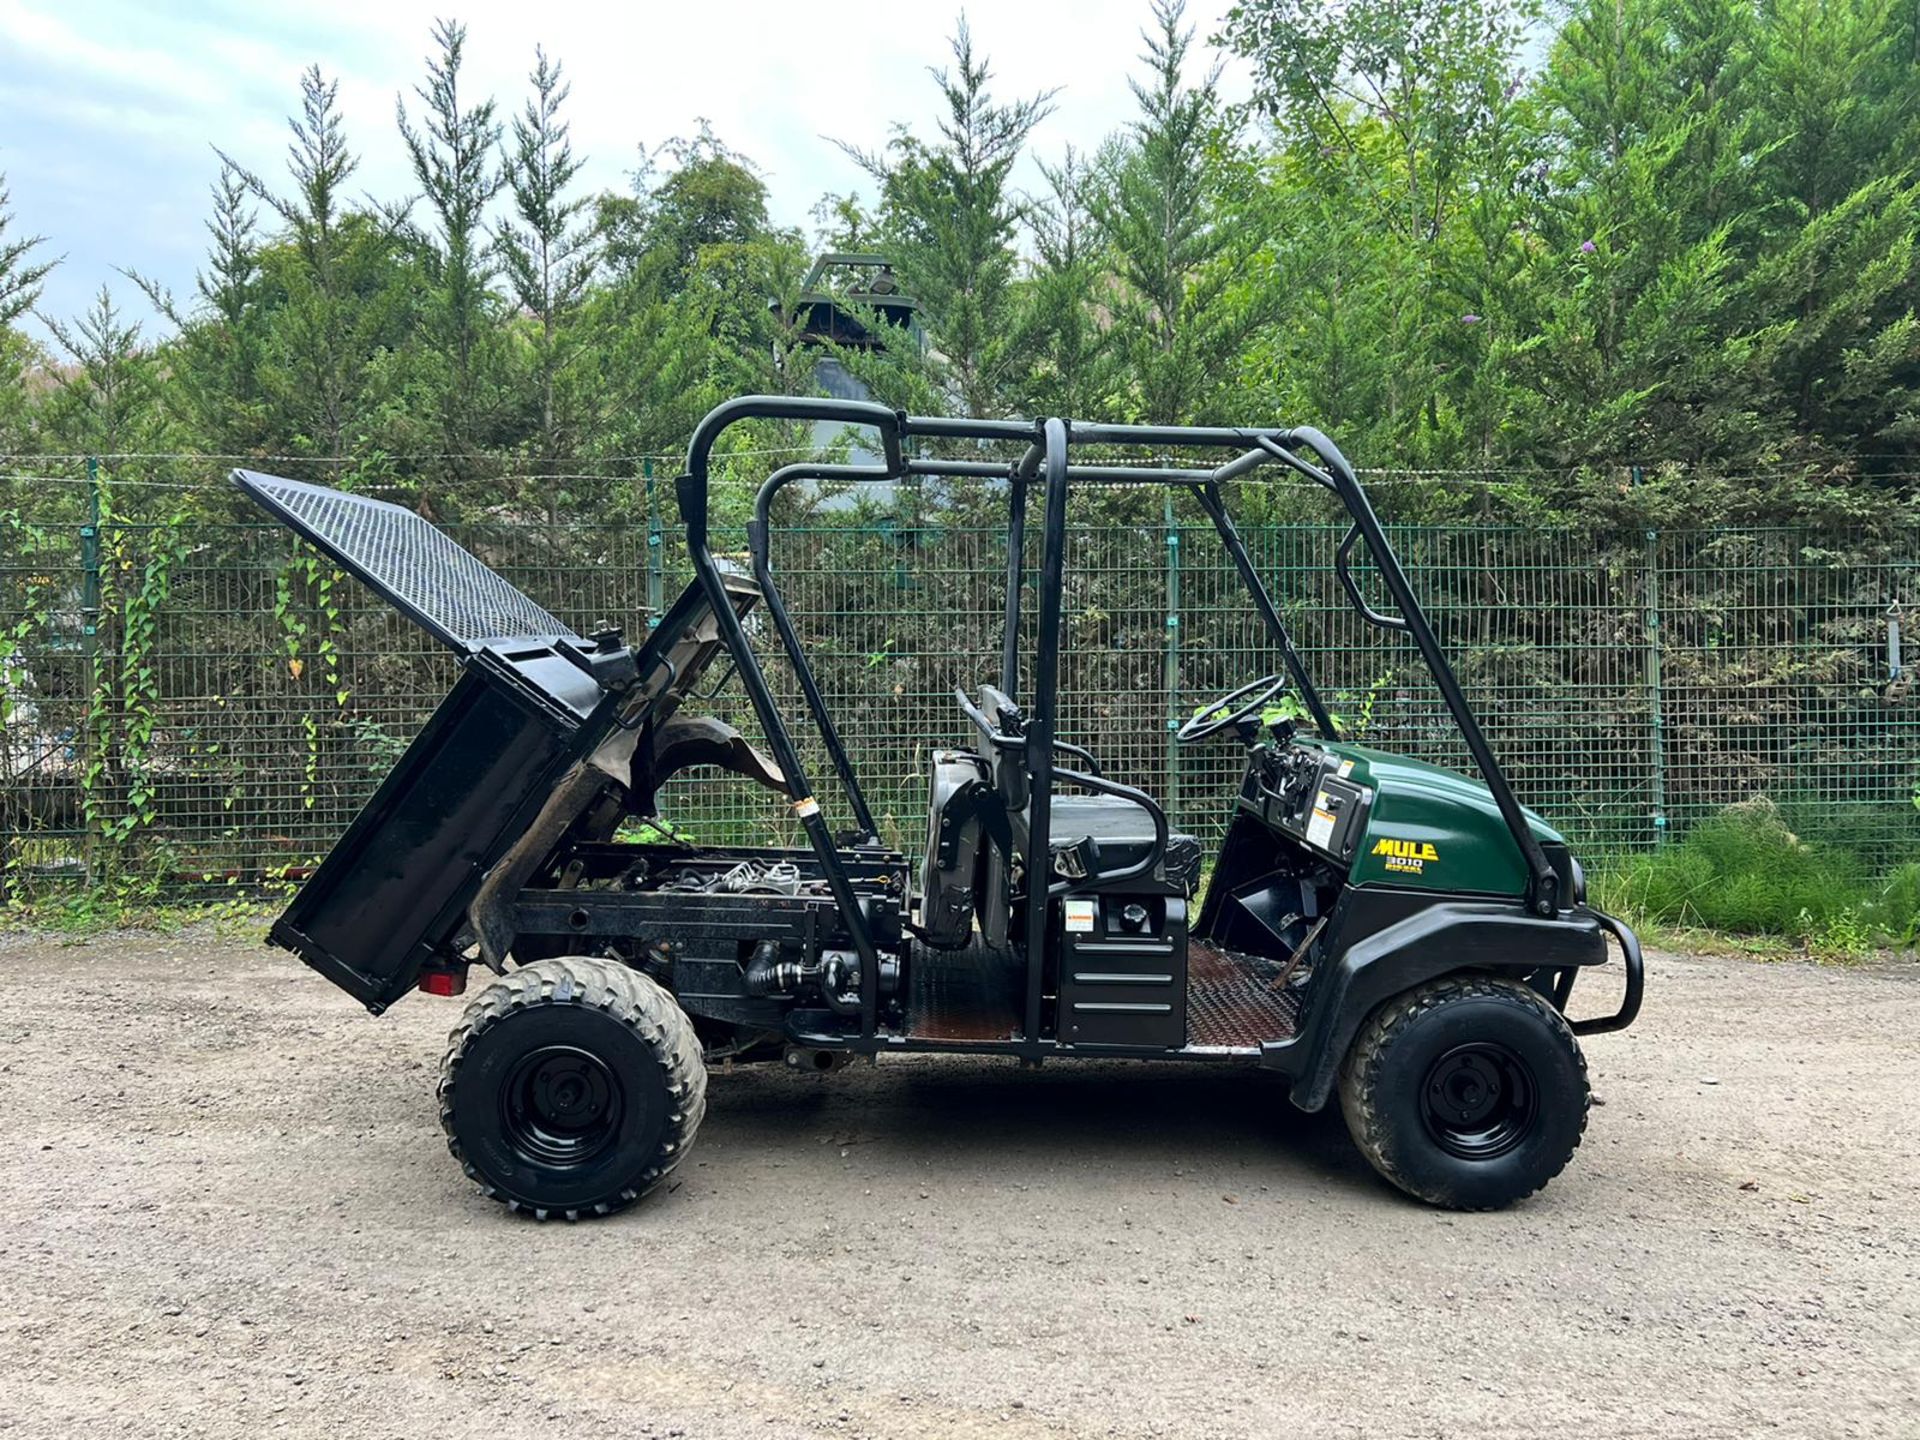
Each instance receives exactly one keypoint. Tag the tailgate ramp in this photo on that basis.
(400, 556)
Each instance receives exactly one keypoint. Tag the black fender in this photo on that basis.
(685, 741)
(1435, 940)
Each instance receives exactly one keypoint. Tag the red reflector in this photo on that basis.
(444, 982)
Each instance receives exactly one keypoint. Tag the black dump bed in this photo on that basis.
(534, 701)
(393, 892)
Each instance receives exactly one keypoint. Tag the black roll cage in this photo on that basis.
(1046, 463)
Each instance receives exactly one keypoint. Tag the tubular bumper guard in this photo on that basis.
(1636, 981)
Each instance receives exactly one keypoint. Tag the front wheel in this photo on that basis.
(571, 1087)
(1468, 1092)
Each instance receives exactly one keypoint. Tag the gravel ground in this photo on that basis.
(229, 1212)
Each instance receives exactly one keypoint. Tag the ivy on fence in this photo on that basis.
(117, 784)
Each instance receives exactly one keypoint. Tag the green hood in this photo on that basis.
(1434, 829)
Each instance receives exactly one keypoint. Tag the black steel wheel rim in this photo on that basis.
(561, 1106)
(1479, 1101)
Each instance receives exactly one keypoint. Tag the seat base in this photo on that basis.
(1125, 833)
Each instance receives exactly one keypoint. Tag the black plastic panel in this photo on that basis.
(394, 891)
(1125, 833)
(399, 555)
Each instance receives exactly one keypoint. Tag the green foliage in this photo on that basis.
(547, 251)
(1685, 241)
(1744, 871)
(949, 215)
(104, 398)
(1841, 824)
(333, 288)
(1689, 242)
(1070, 364)
(1895, 910)
(21, 273)
(1181, 318)
(300, 637)
(117, 785)
(455, 163)
(132, 901)
(23, 538)
(635, 831)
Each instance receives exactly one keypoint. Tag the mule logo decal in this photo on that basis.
(1409, 857)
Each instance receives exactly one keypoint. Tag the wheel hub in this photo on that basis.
(1479, 1101)
(562, 1105)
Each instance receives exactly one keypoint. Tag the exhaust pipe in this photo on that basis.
(816, 1061)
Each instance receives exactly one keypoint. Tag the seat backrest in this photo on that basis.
(959, 790)
(1009, 764)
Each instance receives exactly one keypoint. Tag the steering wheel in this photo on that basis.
(1212, 719)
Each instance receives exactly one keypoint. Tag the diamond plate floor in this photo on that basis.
(969, 994)
(975, 995)
(1229, 1004)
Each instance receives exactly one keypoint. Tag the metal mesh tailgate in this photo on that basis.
(405, 560)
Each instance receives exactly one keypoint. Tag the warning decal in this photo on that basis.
(1320, 827)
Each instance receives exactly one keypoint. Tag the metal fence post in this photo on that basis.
(90, 568)
(84, 737)
(1656, 717)
(654, 542)
(1172, 663)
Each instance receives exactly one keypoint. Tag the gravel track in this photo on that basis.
(230, 1212)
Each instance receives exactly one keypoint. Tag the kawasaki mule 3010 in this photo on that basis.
(1373, 927)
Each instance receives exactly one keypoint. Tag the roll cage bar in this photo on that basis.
(1046, 463)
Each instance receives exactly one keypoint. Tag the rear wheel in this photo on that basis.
(1468, 1092)
(571, 1087)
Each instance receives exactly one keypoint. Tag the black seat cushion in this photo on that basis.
(1125, 833)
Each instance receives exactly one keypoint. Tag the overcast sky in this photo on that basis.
(109, 110)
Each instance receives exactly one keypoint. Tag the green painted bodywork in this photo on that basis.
(1442, 831)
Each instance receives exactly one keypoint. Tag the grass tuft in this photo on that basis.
(1747, 872)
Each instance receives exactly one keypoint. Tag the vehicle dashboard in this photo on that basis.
(1304, 793)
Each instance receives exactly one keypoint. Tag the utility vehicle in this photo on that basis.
(1371, 926)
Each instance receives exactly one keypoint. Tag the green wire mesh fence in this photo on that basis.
(192, 696)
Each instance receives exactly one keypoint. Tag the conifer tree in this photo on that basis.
(548, 252)
(948, 213)
(331, 305)
(1181, 320)
(22, 278)
(454, 158)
